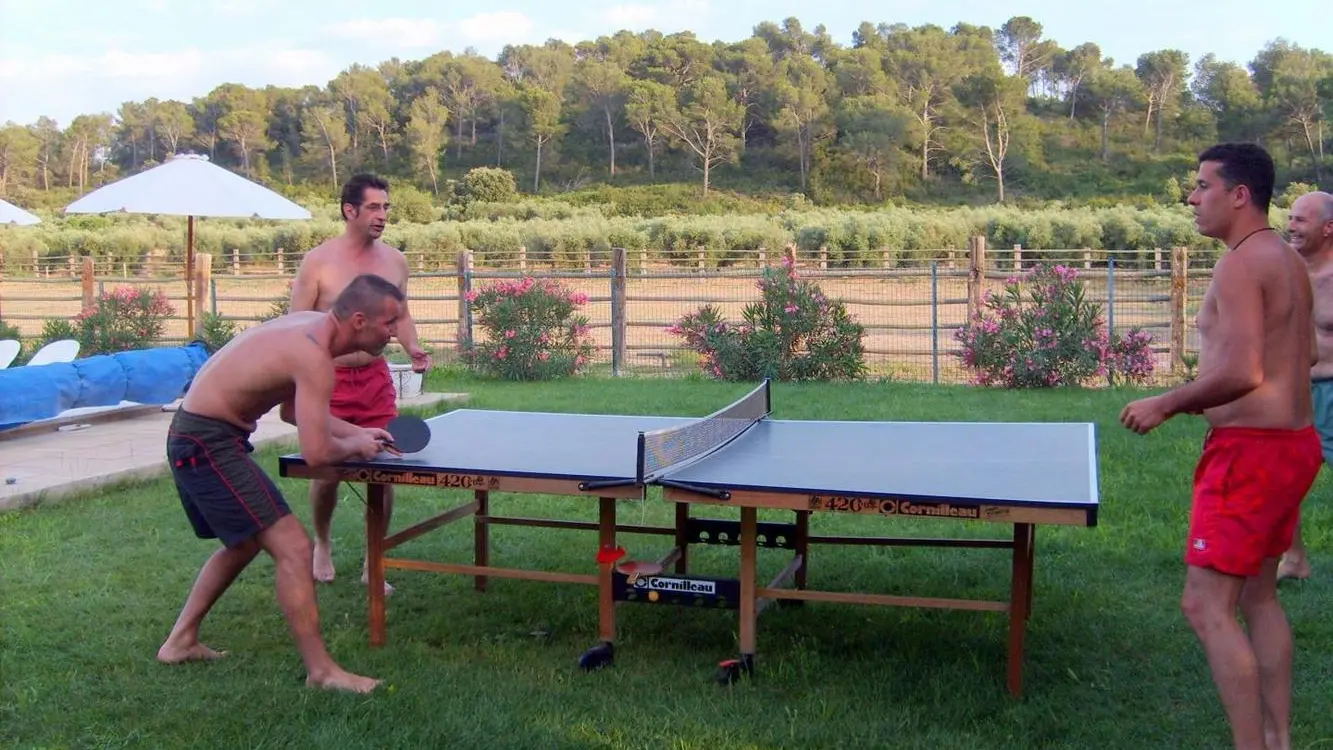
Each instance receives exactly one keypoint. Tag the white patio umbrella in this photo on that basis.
(188, 185)
(12, 214)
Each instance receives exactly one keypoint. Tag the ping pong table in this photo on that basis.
(1019, 474)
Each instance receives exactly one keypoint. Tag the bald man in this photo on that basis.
(1310, 227)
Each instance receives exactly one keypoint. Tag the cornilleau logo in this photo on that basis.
(677, 585)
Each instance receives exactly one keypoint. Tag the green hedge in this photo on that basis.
(564, 234)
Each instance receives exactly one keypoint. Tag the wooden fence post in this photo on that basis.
(89, 281)
(1179, 298)
(464, 306)
(976, 278)
(203, 277)
(619, 258)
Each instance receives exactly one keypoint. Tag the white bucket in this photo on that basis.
(406, 382)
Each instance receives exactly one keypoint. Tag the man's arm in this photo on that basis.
(407, 328)
(1236, 343)
(305, 287)
(321, 443)
(337, 427)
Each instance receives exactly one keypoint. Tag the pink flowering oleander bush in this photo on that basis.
(533, 331)
(125, 318)
(1043, 332)
(793, 333)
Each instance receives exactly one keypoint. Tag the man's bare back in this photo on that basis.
(1269, 288)
(329, 267)
(247, 379)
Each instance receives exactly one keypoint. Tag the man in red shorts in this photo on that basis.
(363, 391)
(1261, 453)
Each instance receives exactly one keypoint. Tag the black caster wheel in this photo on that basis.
(597, 657)
(732, 670)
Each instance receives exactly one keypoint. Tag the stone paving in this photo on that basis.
(82, 452)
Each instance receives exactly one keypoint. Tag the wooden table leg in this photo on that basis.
(749, 585)
(606, 603)
(376, 531)
(802, 545)
(1020, 602)
(481, 541)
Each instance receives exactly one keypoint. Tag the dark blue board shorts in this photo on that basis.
(226, 495)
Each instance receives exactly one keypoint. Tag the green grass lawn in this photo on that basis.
(90, 586)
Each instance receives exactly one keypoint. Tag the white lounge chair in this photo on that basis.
(9, 349)
(55, 352)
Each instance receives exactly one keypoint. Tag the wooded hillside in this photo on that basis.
(896, 114)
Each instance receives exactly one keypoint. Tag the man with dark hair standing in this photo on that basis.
(1261, 453)
(227, 496)
(1310, 227)
(363, 394)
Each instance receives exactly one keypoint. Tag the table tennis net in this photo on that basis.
(660, 450)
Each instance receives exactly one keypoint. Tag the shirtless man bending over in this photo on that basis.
(227, 496)
(363, 393)
(1261, 453)
(1310, 226)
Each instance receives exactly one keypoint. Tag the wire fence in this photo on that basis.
(910, 309)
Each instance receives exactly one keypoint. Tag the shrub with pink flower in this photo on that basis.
(532, 330)
(125, 318)
(793, 333)
(1043, 332)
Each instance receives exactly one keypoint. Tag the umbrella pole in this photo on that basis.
(189, 280)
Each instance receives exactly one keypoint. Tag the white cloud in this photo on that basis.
(632, 16)
(504, 27)
(402, 32)
(235, 7)
(64, 86)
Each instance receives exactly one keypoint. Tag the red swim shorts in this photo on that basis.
(364, 396)
(1248, 489)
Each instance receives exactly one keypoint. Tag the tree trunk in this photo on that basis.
(611, 139)
(1106, 144)
(537, 173)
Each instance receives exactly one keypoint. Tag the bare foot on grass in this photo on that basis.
(340, 679)
(179, 654)
(365, 579)
(1293, 568)
(323, 568)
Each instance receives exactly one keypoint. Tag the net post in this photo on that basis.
(639, 459)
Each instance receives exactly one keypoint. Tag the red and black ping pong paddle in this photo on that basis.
(410, 434)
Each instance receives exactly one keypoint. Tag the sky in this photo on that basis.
(62, 58)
